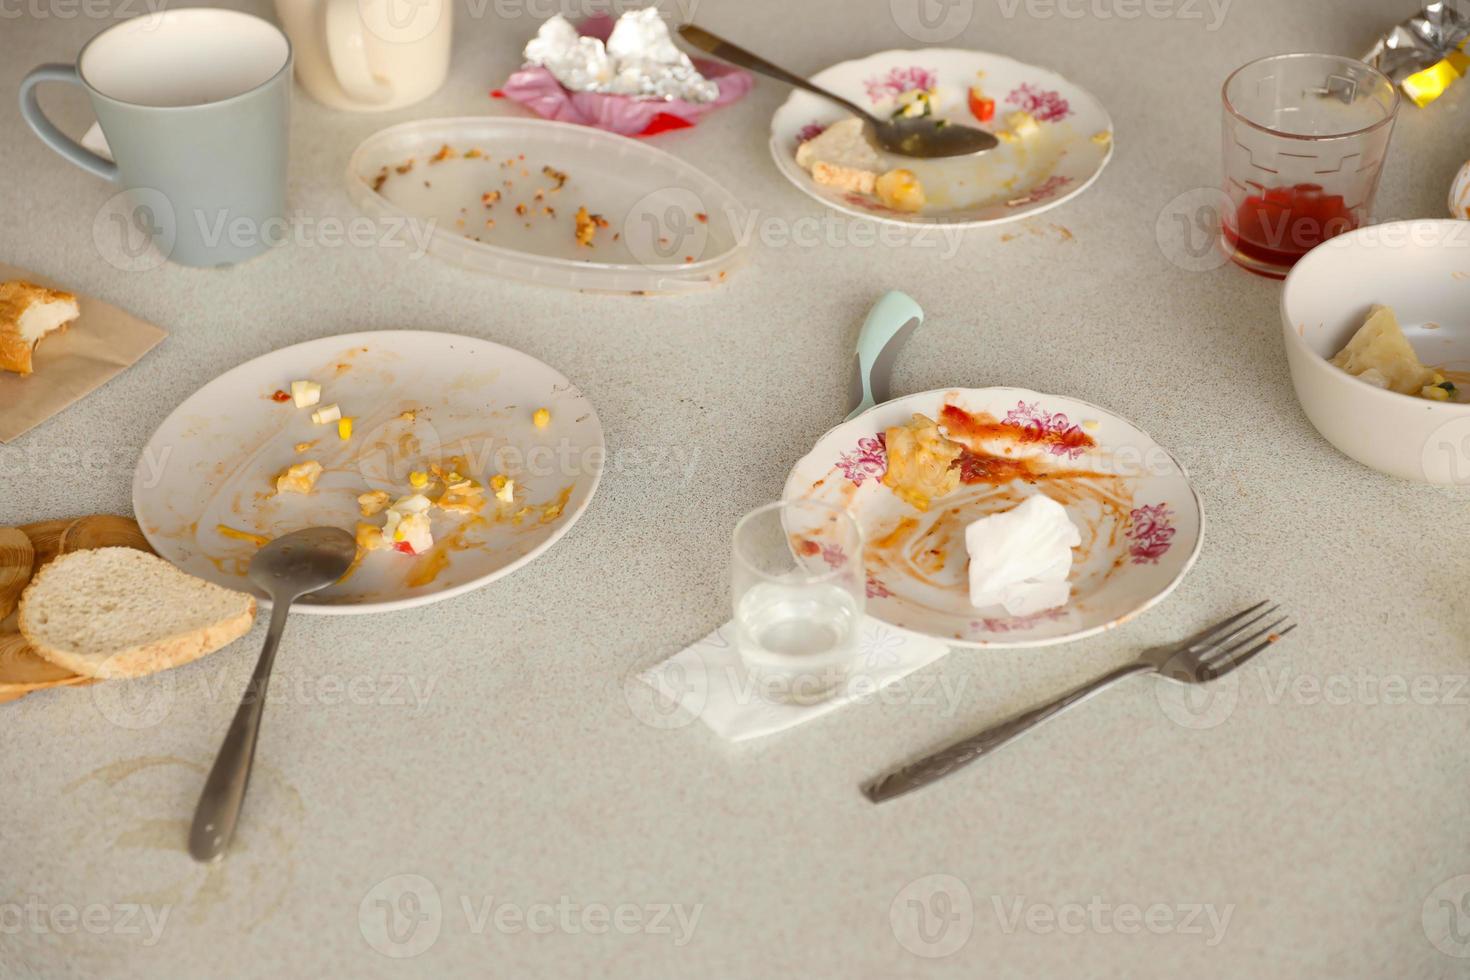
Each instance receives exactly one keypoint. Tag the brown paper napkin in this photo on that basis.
(102, 343)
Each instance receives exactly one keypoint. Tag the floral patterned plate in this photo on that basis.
(1017, 179)
(1140, 520)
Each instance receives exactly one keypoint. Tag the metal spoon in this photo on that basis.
(917, 137)
(287, 569)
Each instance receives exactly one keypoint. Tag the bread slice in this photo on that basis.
(119, 612)
(27, 313)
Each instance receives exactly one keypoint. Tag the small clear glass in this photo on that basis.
(798, 588)
(1304, 140)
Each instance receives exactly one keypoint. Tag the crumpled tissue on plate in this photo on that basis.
(538, 89)
(1425, 54)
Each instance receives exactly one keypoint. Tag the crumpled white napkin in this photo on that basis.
(1020, 558)
(709, 681)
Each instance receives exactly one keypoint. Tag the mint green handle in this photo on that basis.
(887, 327)
(30, 110)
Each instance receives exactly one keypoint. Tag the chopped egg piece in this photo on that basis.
(464, 496)
(344, 428)
(1022, 124)
(370, 538)
(407, 527)
(542, 418)
(505, 489)
(330, 413)
(299, 477)
(914, 104)
(372, 502)
(305, 393)
(901, 190)
(418, 479)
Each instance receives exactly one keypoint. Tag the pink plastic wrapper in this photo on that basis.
(538, 90)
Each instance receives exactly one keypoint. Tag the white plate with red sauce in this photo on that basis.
(1140, 520)
(204, 490)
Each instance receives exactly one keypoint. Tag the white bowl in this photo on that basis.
(1422, 270)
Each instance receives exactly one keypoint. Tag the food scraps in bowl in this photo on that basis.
(1380, 355)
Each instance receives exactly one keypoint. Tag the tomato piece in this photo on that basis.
(281, 396)
(404, 547)
(981, 108)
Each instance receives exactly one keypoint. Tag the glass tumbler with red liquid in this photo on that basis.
(1305, 136)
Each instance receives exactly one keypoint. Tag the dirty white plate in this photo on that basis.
(213, 462)
(1140, 520)
(1013, 181)
(669, 228)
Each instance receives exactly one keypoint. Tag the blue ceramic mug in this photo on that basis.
(195, 106)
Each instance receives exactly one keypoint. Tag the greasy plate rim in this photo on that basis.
(809, 187)
(409, 602)
(1160, 596)
(363, 196)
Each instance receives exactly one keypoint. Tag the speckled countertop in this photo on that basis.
(1308, 820)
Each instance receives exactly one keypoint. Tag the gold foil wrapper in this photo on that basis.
(1426, 54)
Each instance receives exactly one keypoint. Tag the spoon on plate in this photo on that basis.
(287, 569)
(917, 137)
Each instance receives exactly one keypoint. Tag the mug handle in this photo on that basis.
(30, 110)
(347, 52)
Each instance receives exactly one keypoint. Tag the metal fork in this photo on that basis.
(1206, 656)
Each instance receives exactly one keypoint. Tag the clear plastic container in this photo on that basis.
(505, 195)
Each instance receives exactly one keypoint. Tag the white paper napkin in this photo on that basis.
(709, 681)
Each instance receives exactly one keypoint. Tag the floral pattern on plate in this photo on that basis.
(868, 460)
(897, 81)
(1150, 532)
(1045, 105)
(1038, 423)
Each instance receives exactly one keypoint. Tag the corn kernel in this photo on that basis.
(497, 481)
(542, 418)
(418, 480)
(344, 428)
